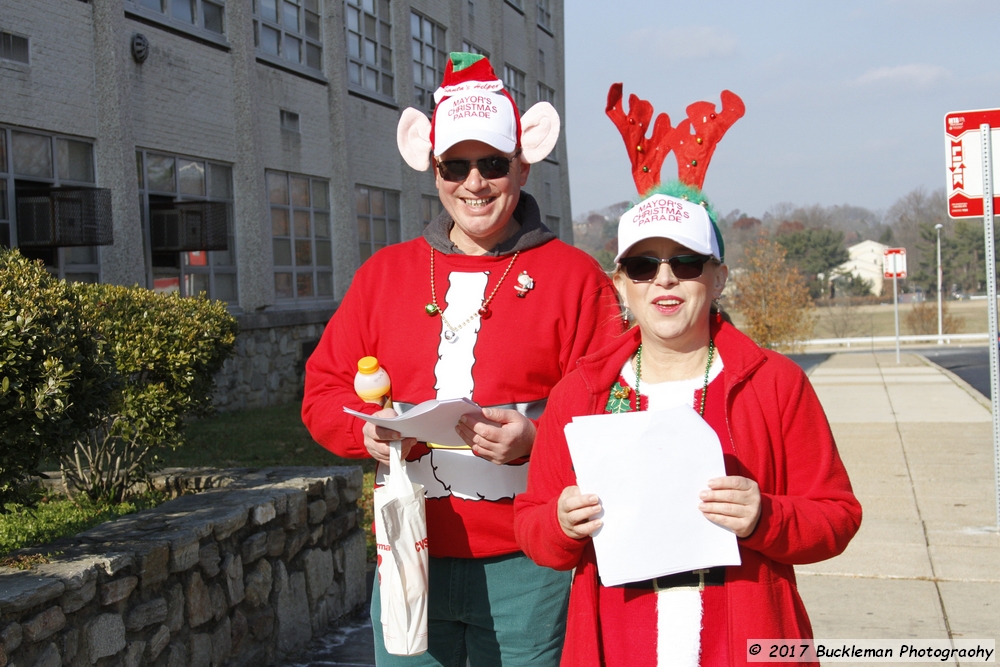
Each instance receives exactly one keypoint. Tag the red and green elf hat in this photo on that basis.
(472, 104)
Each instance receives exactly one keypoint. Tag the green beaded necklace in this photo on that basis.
(704, 388)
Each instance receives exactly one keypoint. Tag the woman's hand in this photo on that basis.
(576, 511)
(733, 503)
(377, 438)
(500, 436)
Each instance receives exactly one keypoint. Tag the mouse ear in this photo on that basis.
(539, 132)
(413, 137)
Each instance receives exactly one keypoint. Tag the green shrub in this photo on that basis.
(167, 350)
(55, 375)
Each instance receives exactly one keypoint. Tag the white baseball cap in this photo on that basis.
(663, 216)
(484, 116)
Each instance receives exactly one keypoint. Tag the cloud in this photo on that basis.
(909, 76)
(677, 44)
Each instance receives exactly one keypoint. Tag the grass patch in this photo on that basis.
(262, 438)
(57, 517)
(259, 438)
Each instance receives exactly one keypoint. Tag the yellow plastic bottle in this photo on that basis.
(372, 382)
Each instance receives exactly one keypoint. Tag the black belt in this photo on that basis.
(715, 576)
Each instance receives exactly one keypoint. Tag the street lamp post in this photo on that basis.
(940, 328)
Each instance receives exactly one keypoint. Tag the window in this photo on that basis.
(472, 10)
(300, 236)
(289, 30)
(517, 4)
(552, 222)
(429, 57)
(289, 121)
(541, 63)
(546, 94)
(469, 47)
(513, 79)
(186, 206)
(430, 207)
(208, 15)
(369, 47)
(545, 15)
(13, 47)
(378, 218)
(33, 163)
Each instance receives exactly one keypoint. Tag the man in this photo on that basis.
(489, 305)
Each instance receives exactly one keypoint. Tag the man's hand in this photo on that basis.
(733, 503)
(575, 512)
(377, 438)
(499, 436)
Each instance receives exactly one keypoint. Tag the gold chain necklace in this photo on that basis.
(704, 388)
(432, 309)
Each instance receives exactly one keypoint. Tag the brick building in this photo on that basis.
(243, 148)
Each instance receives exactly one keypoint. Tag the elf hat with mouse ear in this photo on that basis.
(472, 105)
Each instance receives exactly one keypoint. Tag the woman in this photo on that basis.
(786, 495)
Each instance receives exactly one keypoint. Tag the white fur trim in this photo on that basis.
(678, 627)
(539, 132)
(413, 137)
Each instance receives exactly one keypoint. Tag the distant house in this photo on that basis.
(865, 262)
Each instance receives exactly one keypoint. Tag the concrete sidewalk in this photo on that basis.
(917, 443)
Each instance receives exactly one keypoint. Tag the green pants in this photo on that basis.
(503, 611)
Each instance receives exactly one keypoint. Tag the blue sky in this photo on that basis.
(845, 100)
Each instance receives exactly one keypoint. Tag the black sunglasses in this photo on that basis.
(494, 166)
(643, 269)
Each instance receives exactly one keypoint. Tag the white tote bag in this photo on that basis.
(401, 539)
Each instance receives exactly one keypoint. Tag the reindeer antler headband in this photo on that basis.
(693, 140)
(678, 211)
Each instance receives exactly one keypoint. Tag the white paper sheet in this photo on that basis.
(431, 421)
(648, 469)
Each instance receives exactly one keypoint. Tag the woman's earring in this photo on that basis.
(625, 314)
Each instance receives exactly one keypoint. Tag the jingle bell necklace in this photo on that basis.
(704, 388)
(432, 309)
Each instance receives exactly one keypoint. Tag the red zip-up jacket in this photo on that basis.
(782, 440)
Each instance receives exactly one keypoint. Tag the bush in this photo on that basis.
(922, 319)
(55, 375)
(167, 350)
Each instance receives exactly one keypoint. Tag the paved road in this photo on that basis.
(972, 364)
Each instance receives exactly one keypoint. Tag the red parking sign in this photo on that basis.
(964, 160)
(894, 263)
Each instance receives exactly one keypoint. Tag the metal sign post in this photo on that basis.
(894, 266)
(991, 296)
(968, 139)
(895, 304)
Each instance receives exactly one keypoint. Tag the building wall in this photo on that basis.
(219, 98)
(182, 96)
(866, 262)
(54, 91)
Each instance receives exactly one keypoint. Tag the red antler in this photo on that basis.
(695, 138)
(647, 155)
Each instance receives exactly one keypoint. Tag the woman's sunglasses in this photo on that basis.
(643, 269)
(495, 166)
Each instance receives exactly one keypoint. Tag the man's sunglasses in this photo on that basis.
(643, 269)
(494, 166)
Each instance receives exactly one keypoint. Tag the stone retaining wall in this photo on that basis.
(240, 575)
(267, 366)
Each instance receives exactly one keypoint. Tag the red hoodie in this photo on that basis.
(782, 440)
